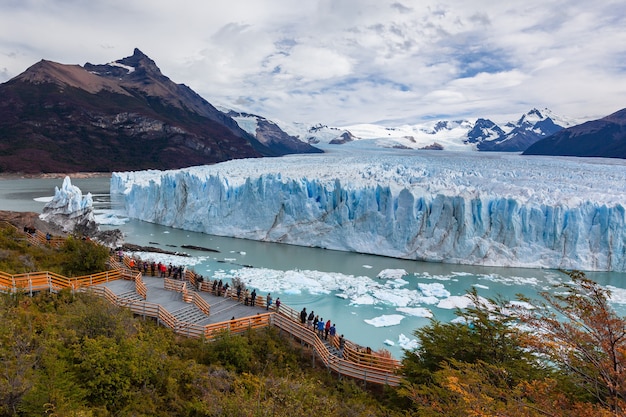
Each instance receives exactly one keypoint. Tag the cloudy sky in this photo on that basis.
(341, 62)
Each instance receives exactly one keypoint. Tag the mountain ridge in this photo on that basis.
(124, 115)
(605, 137)
(456, 135)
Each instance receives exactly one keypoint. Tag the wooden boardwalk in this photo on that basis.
(222, 309)
(178, 305)
(173, 301)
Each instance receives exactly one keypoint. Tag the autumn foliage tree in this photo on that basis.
(577, 330)
(563, 358)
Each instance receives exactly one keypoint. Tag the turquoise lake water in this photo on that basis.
(337, 285)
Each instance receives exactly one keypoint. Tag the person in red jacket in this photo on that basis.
(326, 329)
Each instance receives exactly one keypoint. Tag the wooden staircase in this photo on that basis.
(189, 314)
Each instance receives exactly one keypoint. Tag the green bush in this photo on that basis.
(83, 257)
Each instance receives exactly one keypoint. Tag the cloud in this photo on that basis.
(311, 63)
(347, 61)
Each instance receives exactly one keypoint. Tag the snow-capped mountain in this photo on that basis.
(605, 137)
(454, 135)
(449, 135)
(517, 137)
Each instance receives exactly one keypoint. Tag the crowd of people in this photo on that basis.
(326, 330)
(154, 269)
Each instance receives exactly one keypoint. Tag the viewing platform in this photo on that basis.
(191, 309)
(222, 309)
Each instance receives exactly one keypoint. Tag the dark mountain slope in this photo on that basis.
(271, 135)
(604, 137)
(120, 116)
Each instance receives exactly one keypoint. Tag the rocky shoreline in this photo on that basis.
(21, 219)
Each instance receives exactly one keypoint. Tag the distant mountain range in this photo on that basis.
(516, 136)
(481, 135)
(604, 137)
(126, 115)
(537, 132)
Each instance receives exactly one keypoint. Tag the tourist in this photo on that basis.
(246, 297)
(199, 279)
(332, 332)
(277, 304)
(315, 321)
(342, 345)
(253, 298)
(310, 319)
(268, 301)
(320, 328)
(303, 315)
(327, 329)
(239, 292)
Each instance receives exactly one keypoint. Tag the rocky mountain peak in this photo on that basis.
(117, 116)
(135, 68)
(48, 72)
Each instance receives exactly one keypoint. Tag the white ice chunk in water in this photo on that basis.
(385, 320)
(407, 343)
(391, 274)
(416, 311)
(435, 289)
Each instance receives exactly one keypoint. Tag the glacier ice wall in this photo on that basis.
(496, 209)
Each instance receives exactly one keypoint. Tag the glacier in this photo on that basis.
(491, 209)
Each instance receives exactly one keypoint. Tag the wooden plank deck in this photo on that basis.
(222, 309)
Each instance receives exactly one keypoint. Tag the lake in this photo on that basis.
(374, 311)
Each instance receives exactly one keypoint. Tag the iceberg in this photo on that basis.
(455, 207)
(73, 212)
(69, 209)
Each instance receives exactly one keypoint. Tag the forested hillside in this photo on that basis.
(73, 354)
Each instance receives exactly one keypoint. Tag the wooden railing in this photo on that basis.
(290, 313)
(352, 351)
(36, 237)
(342, 366)
(49, 281)
(140, 286)
(178, 286)
(354, 363)
(201, 303)
(358, 354)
